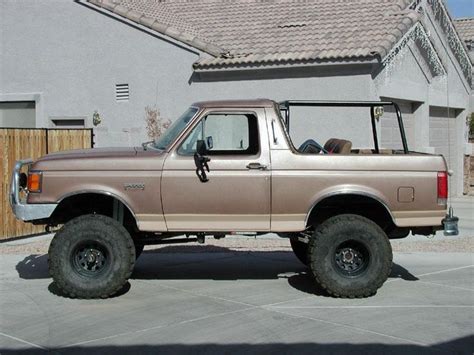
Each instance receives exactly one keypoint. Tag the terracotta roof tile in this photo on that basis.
(465, 28)
(267, 32)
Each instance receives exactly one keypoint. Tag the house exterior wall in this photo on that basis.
(75, 70)
(411, 80)
(71, 57)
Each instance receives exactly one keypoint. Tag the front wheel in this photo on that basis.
(92, 256)
(350, 256)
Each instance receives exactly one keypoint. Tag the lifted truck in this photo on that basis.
(230, 166)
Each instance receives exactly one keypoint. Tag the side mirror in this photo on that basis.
(201, 147)
(200, 160)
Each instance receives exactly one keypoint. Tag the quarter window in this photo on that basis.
(224, 134)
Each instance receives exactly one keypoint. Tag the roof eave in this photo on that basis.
(370, 60)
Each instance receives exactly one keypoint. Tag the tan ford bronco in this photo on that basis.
(230, 167)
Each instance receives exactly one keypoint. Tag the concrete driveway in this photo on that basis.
(241, 302)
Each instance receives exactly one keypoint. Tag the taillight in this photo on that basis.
(442, 187)
(34, 182)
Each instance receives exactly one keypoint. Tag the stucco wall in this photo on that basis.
(73, 57)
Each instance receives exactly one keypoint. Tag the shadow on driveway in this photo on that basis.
(197, 263)
(456, 346)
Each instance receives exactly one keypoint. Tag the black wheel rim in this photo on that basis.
(90, 259)
(351, 258)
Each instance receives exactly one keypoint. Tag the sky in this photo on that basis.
(461, 8)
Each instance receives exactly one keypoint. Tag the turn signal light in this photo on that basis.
(442, 187)
(34, 182)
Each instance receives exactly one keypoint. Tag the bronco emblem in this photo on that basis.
(134, 186)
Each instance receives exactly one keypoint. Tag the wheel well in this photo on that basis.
(354, 204)
(92, 203)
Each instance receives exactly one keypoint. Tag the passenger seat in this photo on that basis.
(338, 146)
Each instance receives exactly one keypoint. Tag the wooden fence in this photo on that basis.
(17, 144)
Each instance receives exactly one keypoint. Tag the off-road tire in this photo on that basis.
(361, 234)
(66, 251)
(300, 249)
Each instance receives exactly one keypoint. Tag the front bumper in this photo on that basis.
(21, 209)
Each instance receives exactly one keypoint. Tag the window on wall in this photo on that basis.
(18, 114)
(224, 134)
(67, 122)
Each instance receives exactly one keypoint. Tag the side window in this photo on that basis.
(224, 134)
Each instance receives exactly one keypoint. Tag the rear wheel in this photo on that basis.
(91, 256)
(350, 256)
(300, 249)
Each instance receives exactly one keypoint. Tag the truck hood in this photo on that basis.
(96, 159)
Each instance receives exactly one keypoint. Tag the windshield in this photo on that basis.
(175, 129)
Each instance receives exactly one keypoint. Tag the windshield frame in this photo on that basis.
(178, 135)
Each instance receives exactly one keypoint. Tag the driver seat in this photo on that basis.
(338, 146)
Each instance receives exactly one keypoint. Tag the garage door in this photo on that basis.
(18, 114)
(390, 132)
(440, 125)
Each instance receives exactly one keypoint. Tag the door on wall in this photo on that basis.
(17, 114)
(390, 132)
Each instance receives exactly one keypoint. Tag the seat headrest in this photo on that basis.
(338, 146)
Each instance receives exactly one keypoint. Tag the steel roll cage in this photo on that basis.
(285, 107)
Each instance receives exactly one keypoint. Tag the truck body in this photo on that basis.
(256, 181)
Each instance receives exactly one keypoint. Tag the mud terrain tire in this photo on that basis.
(92, 256)
(350, 256)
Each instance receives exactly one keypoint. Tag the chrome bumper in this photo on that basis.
(21, 209)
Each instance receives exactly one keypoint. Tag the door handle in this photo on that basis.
(256, 166)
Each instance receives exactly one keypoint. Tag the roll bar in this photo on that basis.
(285, 107)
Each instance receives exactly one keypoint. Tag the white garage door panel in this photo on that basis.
(440, 124)
(19, 114)
(390, 132)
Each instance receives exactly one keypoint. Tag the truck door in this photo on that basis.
(237, 195)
